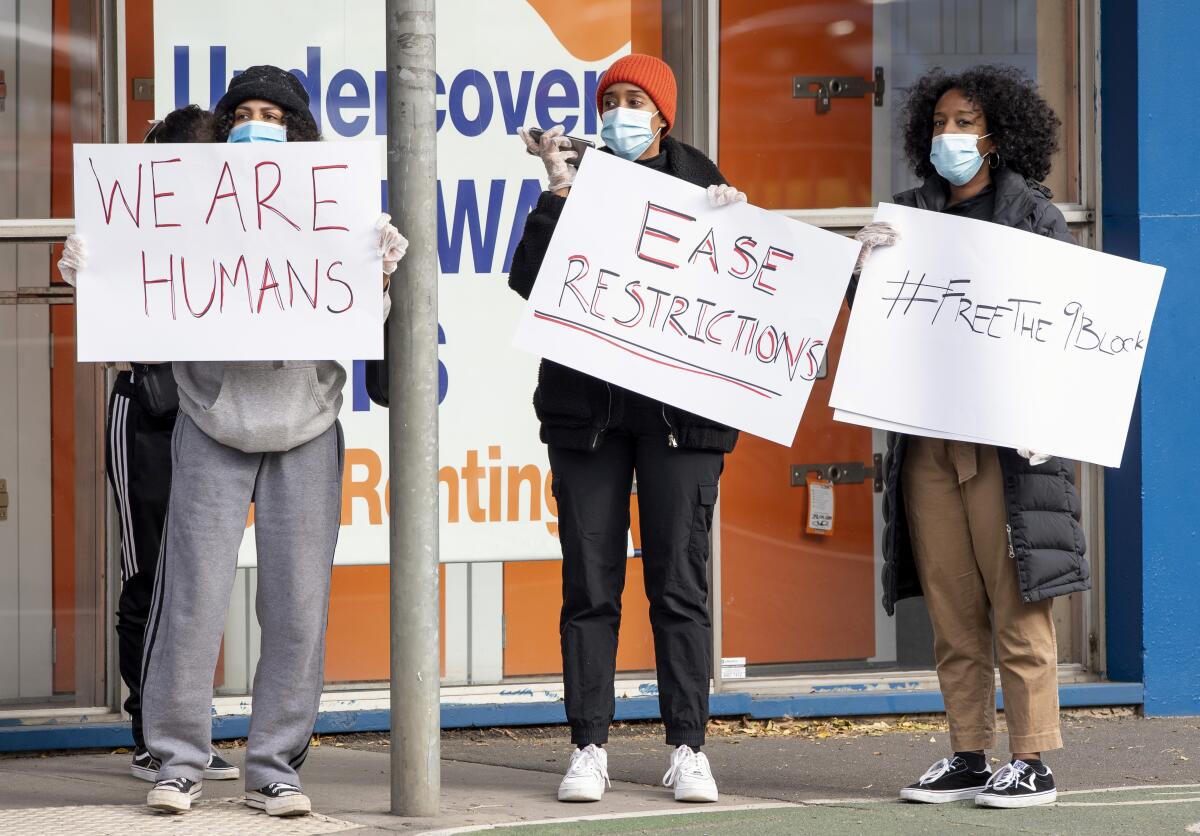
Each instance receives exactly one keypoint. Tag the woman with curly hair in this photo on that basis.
(988, 535)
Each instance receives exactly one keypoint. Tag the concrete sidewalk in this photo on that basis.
(799, 777)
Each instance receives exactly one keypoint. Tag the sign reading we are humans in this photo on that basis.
(973, 331)
(724, 312)
(229, 252)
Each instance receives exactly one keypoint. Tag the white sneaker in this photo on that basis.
(691, 776)
(279, 799)
(587, 776)
(174, 795)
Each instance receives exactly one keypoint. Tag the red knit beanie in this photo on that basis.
(650, 74)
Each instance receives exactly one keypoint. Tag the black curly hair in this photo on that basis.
(1022, 125)
(186, 124)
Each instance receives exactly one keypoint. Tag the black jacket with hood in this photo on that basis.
(1046, 540)
(576, 409)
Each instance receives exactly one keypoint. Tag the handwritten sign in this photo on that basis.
(724, 312)
(974, 331)
(229, 252)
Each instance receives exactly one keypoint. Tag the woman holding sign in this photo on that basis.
(989, 536)
(261, 432)
(599, 435)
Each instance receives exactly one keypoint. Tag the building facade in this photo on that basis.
(799, 628)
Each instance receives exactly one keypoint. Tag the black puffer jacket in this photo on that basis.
(1046, 538)
(575, 408)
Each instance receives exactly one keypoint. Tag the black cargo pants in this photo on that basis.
(677, 489)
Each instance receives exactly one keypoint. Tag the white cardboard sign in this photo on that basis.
(976, 331)
(724, 312)
(264, 251)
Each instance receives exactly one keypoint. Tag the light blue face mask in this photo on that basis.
(627, 131)
(258, 132)
(956, 156)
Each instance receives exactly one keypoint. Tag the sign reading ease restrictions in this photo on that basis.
(973, 331)
(724, 312)
(229, 252)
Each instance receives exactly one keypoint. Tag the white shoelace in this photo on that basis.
(686, 763)
(936, 771)
(280, 789)
(1007, 775)
(586, 762)
(172, 783)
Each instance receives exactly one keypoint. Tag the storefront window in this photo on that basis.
(793, 601)
(54, 601)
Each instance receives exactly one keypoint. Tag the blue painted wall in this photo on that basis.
(1152, 212)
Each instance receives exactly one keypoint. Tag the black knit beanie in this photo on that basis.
(270, 84)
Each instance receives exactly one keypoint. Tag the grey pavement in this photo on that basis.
(790, 780)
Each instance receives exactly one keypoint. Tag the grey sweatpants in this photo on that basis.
(297, 511)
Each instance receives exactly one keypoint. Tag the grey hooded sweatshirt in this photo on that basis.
(262, 406)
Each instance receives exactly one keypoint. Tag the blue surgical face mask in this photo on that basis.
(627, 131)
(258, 132)
(956, 156)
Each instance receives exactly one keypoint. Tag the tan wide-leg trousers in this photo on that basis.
(954, 498)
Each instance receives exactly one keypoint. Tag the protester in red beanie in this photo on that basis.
(599, 435)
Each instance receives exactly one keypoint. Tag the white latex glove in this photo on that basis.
(74, 259)
(1034, 458)
(724, 195)
(555, 150)
(392, 245)
(874, 234)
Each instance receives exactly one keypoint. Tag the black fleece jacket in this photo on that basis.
(576, 409)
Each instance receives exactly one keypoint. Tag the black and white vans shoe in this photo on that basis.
(173, 795)
(279, 799)
(1019, 784)
(950, 779)
(144, 766)
(219, 769)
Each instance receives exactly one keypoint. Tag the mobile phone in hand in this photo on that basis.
(579, 146)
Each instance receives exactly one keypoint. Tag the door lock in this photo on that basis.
(823, 88)
(842, 473)
(3, 500)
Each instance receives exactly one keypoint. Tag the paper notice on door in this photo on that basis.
(820, 506)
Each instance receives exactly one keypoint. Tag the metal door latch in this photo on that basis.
(841, 473)
(3, 500)
(3, 91)
(823, 88)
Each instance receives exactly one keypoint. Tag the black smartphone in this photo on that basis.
(579, 146)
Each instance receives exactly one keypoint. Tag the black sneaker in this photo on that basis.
(219, 769)
(279, 799)
(950, 779)
(173, 795)
(144, 766)
(1019, 784)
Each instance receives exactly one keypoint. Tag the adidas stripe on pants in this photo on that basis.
(297, 511)
(138, 463)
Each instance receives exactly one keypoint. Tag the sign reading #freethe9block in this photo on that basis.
(721, 311)
(974, 331)
(229, 252)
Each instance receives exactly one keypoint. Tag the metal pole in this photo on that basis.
(413, 419)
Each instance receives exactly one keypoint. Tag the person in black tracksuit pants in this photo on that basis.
(599, 436)
(137, 447)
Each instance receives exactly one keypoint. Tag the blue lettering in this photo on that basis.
(466, 214)
(464, 80)
(311, 80)
(443, 375)
(591, 115)
(512, 110)
(569, 99)
(216, 75)
(381, 108)
(439, 89)
(183, 77)
(527, 198)
(360, 97)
